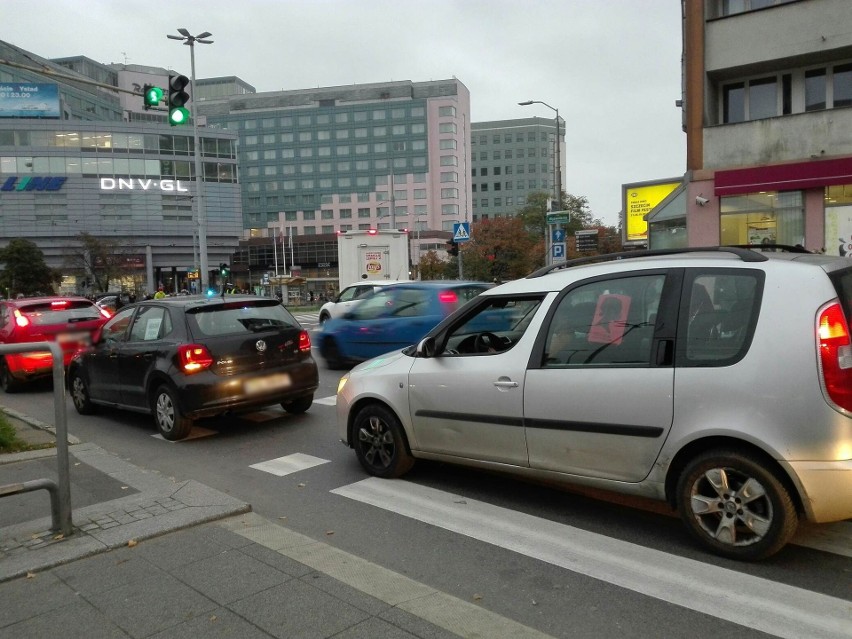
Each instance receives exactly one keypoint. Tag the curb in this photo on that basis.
(10, 458)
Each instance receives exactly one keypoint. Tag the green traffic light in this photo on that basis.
(178, 115)
(153, 96)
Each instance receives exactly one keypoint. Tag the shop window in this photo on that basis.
(763, 218)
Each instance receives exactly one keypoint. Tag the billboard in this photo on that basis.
(29, 100)
(639, 200)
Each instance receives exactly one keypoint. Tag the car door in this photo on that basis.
(469, 403)
(598, 399)
(101, 361)
(137, 356)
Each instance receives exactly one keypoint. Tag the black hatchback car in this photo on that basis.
(183, 358)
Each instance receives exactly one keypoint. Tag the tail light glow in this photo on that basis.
(835, 350)
(194, 358)
(448, 297)
(304, 342)
(105, 312)
(20, 319)
(59, 304)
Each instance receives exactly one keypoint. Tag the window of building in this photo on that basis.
(290, 216)
(449, 160)
(449, 176)
(287, 137)
(483, 203)
(449, 209)
(418, 128)
(419, 194)
(508, 154)
(398, 129)
(763, 218)
(309, 215)
(483, 187)
(341, 117)
(447, 111)
(447, 127)
(445, 145)
(361, 132)
(815, 87)
(497, 170)
(418, 112)
(495, 155)
(842, 86)
(762, 98)
(498, 186)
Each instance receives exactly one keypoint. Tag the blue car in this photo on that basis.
(392, 318)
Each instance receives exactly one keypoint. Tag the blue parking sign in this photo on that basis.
(558, 251)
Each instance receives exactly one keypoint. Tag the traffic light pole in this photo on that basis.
(204, 274)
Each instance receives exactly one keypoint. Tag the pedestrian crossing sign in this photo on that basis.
(461, 232)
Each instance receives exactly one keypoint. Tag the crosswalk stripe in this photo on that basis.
(768, 606)
(289, 464)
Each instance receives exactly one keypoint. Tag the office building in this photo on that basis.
(511, 159)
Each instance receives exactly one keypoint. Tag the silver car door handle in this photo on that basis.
(505, 383)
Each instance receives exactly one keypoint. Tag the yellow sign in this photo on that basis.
(638, 202)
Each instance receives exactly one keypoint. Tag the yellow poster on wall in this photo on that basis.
(638, 202)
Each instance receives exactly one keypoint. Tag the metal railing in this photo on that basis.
(60, 491)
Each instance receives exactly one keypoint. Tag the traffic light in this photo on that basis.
(178, 97)
(152, 96)
(224, 270)
(452, 248)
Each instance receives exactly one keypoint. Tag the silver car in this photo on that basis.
(716, 379)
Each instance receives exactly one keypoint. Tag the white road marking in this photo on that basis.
(775, 608)
(459, 617)
(289, 464)
(196, 433)
(327, 401)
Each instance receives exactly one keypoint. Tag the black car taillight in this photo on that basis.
(194, 358)
(304, 342)
(835, 351)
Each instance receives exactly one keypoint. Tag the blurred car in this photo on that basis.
(346, 300)
(186, 357)
(110, 302)
(716, 379)
(71, 321)
(392, 318)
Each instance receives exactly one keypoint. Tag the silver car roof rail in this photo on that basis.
(747, 253)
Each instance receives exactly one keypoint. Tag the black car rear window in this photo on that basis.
(240, 317)
(60, 312)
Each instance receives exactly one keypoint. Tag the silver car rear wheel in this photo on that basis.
(732, 503)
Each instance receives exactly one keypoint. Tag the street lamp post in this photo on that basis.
(558, 171)
(190, 41)
(558, 150)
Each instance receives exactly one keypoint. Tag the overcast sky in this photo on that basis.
(611, 67)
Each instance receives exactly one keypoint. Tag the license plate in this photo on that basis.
(266, 384)
(66, 338)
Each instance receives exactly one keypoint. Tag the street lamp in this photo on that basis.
(190, 41)
(558, 150)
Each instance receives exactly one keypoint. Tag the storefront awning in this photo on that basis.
(784, 177)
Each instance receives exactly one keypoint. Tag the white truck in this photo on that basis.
(364, 256)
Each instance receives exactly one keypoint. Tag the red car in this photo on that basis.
(71, 321)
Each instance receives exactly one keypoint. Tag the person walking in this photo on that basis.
(160, 294)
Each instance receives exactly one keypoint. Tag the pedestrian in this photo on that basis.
(160, 294)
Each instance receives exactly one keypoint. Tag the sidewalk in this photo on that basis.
(154, 557)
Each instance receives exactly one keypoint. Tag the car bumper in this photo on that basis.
(27, 366)
(826, 488)
(208, 394)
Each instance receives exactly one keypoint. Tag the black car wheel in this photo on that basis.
(380, 442)
(80, 393)
(731, 503)
(167, 416)
(9, 383)
(323, 318)
(298, 406)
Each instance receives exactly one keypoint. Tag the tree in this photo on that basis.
(99, 258)
(534, 212)
(501, 249)
(431, 266)
(25, 270)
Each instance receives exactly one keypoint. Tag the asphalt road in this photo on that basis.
(566, 563)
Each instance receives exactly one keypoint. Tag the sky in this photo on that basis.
(611, 67)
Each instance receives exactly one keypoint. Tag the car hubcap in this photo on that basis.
(78, 392)
(165, 412)
(731, 507)
(377, 443)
